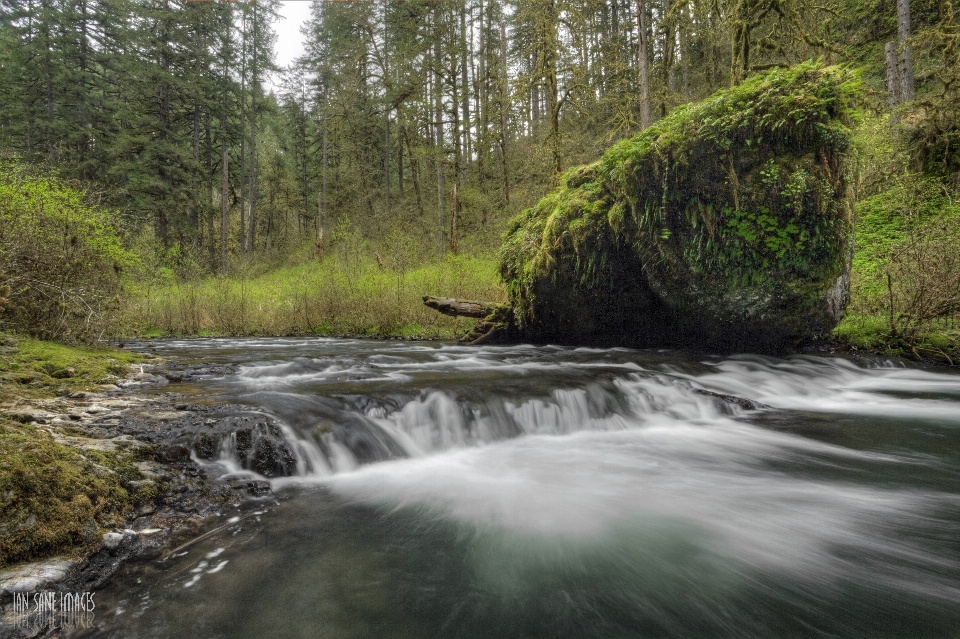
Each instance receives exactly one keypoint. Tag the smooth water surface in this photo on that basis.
(445, 491)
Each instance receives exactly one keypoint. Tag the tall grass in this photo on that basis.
(350, 292)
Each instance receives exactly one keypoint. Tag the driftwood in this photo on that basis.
(494, 325)
(459, 308)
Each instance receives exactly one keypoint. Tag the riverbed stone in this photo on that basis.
(112, 539)
(35, 576)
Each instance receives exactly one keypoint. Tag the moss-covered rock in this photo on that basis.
(725, 225)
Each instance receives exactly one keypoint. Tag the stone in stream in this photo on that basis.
(34, 577)
(726, 225)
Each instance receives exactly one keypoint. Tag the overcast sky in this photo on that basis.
(289, 41)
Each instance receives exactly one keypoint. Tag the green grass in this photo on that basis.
(345, 294)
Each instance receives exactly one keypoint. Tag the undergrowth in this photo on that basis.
(350, 291)
(905, 282)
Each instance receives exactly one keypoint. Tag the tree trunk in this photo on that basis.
(906, 50)
(209, 178)
(254, 86)
(386, 163)
(453, 221)
(893, 79)
(164, 125)
(243, 130)
(465, 97)
(195, 207)
(504, 113)
(224, 206)
(322, 222)
(644, 55)
(441, 186)
(253, 172)
(458, 308)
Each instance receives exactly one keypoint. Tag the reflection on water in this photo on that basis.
(443, 491)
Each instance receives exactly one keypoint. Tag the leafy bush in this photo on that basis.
(905, 284)
(60, 257)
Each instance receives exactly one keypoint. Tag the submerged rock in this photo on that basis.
(727, 225)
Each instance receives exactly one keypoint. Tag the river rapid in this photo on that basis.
(435, 490)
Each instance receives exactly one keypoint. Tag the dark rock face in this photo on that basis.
(253, 441)
(726, 225)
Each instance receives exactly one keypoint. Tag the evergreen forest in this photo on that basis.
(162, 174)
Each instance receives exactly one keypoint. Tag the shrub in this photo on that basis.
(60, 257)
(905, 282)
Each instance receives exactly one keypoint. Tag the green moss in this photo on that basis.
(32, 368)
(56, 499)
(732, 209)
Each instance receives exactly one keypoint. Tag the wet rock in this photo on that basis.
(173, 453)
(254, 487)
(112, 539)
(742, 402)
(34, 577)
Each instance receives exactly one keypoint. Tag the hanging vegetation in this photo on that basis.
(727, 224)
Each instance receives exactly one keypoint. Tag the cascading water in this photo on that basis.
(445, 491)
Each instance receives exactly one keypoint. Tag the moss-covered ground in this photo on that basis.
(36, 369)
(56, 499)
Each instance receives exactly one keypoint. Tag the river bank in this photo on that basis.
(91, 472)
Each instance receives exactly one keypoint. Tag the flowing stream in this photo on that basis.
(433, 490)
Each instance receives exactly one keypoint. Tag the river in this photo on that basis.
(499, 492)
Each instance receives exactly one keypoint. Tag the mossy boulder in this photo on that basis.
(727, 224)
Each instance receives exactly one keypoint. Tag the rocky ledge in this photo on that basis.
(176, 500)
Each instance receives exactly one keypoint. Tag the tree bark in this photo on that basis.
(253, 173)
(644, 55)
(209, 178)
(893, 77)
(458, 308)
(906, 50)
(224, 206)
(504, 113)
(195, 207)
(441, 182)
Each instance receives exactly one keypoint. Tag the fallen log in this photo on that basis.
(459, 308)
(495, 323)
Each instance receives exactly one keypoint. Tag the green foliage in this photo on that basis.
(352, 291)
(60, 257)
(905, 283)
(932, 122)
(742, 195)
